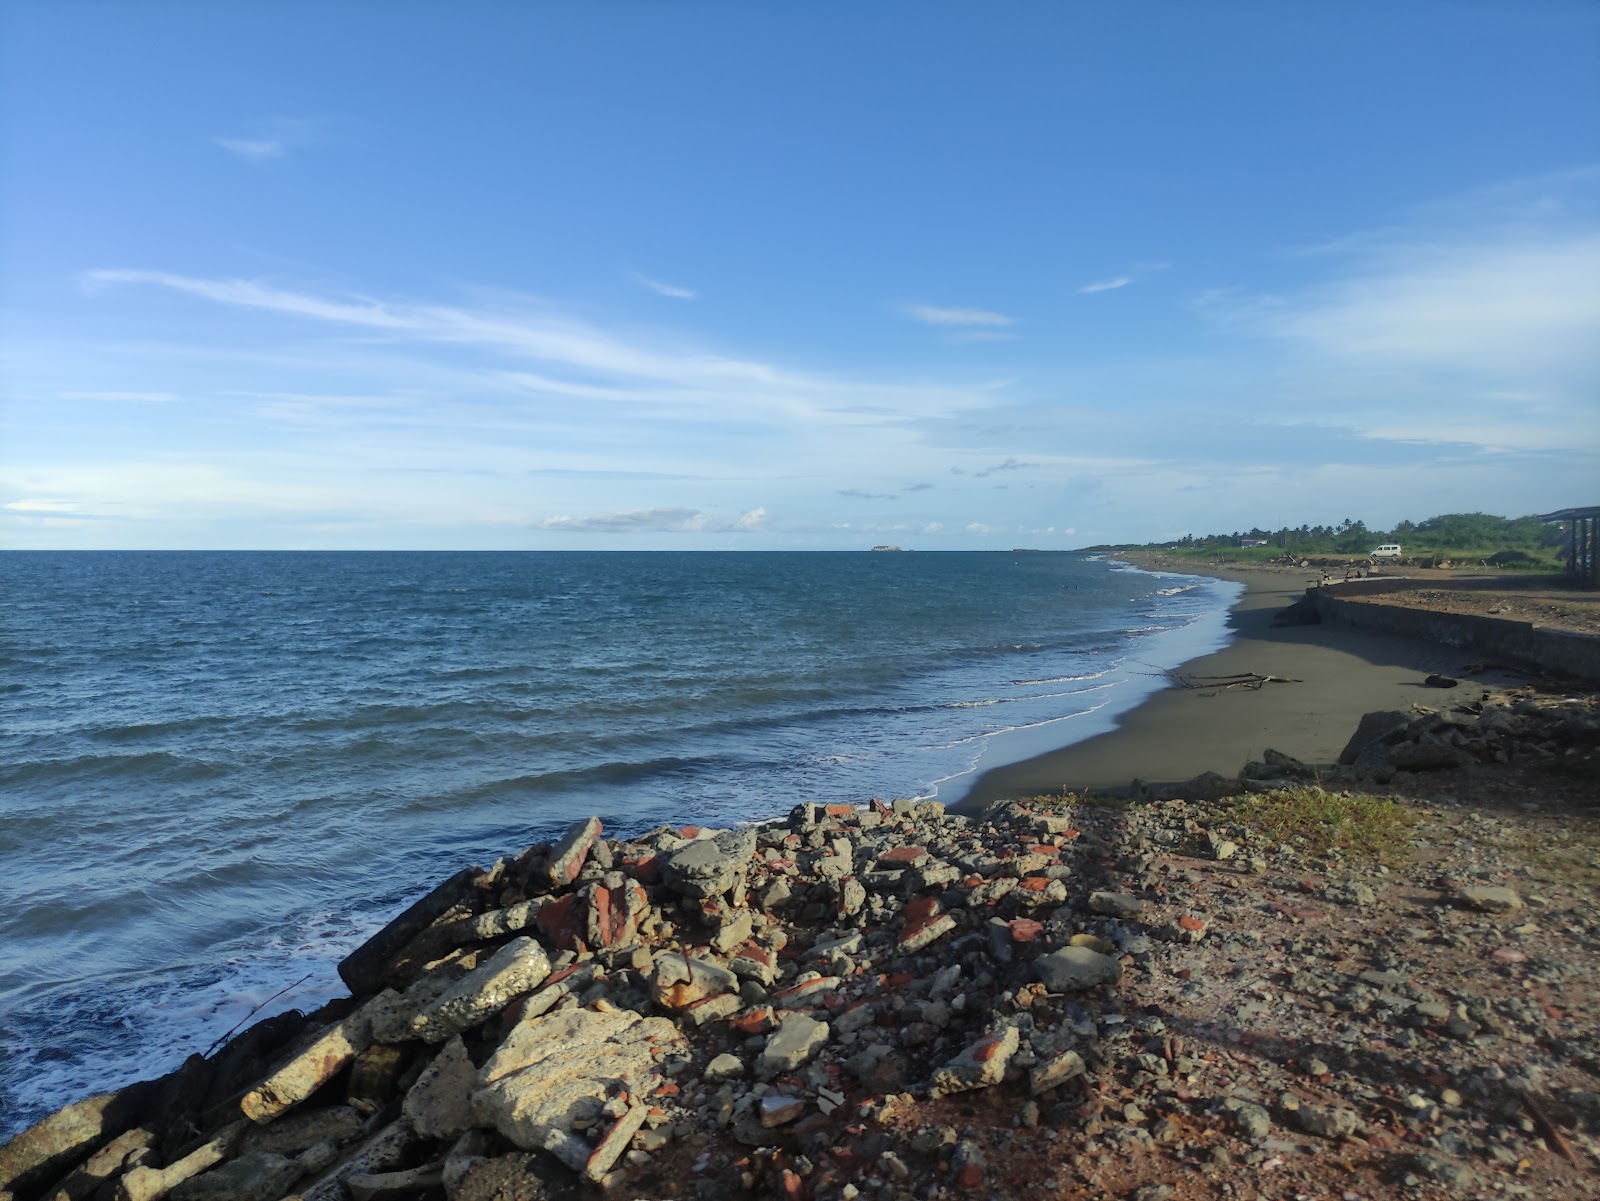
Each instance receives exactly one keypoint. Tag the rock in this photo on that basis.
(254, 1176)
(1438, 681)
(1252, 1120)
(1427, 756)
(724, 1067)
(1373, 727)
(1073, 969)
(1328, 1123)
(385, 1151)
(150, 1184)
(313, 1066)
(709, 867)
(615, 1142)
(923, 924)
(365, 969)
(566, 861)
(55, 1142)
(375, 1073)
(778, 1109)
(553, 1069)
(1491, 898)
(979, 1066)
(1375, 763)
(395, 1186)
(127, 1150)
(1120, 905)
(515, 969)
(797, 1038)
(1054, 1071)
(1208, 786)
(439, 1104)
(291, 1135)
(678, 981)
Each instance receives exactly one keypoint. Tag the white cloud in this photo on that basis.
(929, 315)
(673, 520)
(1504, 305)
(1107, 285)
(254, 149)
(155, 398)
(663, 289)
(933, 527)
(977, 527)
(40, 505)
(753, 520)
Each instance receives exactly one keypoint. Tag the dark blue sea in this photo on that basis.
(220, 771)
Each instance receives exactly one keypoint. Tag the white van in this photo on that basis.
(1389, 550)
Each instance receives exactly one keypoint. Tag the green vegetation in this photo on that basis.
(1315, 822)
(1468, 539)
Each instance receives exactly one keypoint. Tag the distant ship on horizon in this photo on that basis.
(900, 548)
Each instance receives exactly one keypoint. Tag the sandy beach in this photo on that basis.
(1178, 733)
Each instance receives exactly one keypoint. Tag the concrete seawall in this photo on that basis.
(1518, 643)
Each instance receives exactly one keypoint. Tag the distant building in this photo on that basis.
(1253, 541)
(1582, 543)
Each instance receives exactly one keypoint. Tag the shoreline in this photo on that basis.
(1176, 734)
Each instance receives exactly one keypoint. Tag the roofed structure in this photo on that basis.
(1583, 550)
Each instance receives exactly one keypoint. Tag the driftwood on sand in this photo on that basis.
(1248, 679)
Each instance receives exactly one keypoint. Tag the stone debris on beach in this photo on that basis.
(1054, 998)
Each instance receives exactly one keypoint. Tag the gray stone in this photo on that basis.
(1073, 969)
(514, 970)
(1427, 756)
(566, 861)
(709, 867)
(678, 981)
(53, 1143)
(1328, 1123)
(1115, 904)
(1054, 1071)
(293, 1134)
(724, 1067)
(439, 1104)
(979, 1066)
(797, 1038)
(1372, 728)
(557, 1068)
(1492, 898)
(254, 1176)
(1252, 1120)
(1375, 763)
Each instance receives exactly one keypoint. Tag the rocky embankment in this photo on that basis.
(1238, 988)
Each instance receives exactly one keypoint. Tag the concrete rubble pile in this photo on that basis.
(808, 1008)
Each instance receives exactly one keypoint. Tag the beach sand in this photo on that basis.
(1178, 733)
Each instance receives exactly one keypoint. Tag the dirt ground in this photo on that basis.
(1542, 599)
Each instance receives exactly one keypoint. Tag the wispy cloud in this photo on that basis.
(153, 398)
(661, 288)
(40, 505)
(862, 494)
(754, 519)
(633, 521)
(1139, 271)
(1107, 285)
(930, 315)
(272, 138)
(253, 148)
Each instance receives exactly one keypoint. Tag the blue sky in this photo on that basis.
(702, 276)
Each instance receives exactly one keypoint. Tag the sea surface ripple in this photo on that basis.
(220, 771)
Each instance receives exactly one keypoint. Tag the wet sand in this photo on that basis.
(1179, 733)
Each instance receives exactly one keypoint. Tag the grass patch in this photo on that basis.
(1316, 821)
(1063, 802)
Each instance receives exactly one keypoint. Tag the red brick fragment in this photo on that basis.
(1025, 929)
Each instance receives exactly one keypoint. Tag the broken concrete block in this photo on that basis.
(439, 1104)
(514, 970)
(979, 1066)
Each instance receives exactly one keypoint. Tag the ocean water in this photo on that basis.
(220, 771)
